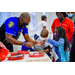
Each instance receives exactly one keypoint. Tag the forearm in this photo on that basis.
(30, 40)
(14, 41)
(46, 51)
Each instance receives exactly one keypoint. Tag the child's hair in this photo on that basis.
(62, 34)
(43, 17)
(44, 33)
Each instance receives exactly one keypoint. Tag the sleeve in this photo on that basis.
(44, 24)
(71, 30)
(56, 43)
(9, 26)
(53, 26)
(25, 31)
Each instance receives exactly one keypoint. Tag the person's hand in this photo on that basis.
(29, 44)
(46, 39)
(41, 51)
(2, 45)
(40, 43)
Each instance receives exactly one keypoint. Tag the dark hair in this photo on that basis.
(62, 34)
(64, 13)
(43, 17)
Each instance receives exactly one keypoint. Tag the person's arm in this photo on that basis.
(11, 40)
(44, 27)
(46, 51)
(71, 30)
(53, 26)
(28, 39)
(55, 43)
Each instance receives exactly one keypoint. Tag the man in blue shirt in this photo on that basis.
(11, 29)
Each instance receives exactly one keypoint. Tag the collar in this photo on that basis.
(63, 20)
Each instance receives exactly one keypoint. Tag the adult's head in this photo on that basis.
(43, 18)
(24, 19)
(61, 15)
(70, 14)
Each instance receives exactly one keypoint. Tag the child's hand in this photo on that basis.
(40, 43)
(41, 51)
(46, 39)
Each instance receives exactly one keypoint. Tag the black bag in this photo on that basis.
(2, 33)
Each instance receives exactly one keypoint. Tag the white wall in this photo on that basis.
(50, 17)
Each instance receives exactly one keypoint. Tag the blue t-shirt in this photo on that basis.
(11, 27)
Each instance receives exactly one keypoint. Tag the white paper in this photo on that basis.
(55, 55)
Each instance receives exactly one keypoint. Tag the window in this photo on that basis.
(5, 15)
(43, 13)
(33, 21)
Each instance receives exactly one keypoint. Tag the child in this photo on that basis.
(61, 44)
(26, 48)
(45, 48)
(41, 26)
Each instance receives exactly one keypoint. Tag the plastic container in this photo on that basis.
(22, 52)
(3, 53)
(36, 55)
(16, 57)
(14, 53)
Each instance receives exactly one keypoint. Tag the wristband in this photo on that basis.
(23, 44)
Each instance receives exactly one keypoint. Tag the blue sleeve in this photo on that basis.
(56, 43)
(25, 31)
(9, 26)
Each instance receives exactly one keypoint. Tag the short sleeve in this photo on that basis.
(9, 26)
(25, 31)
(44, 24)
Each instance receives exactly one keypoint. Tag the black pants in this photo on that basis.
(72, 53)
(9, 47)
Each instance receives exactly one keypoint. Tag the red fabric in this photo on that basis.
(67, 24)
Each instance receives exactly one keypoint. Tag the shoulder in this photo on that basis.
(11, 22)
(69, 20)
(11, 19)
(25, 28)
(56, 19)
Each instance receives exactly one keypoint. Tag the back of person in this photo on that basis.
(40, 27)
